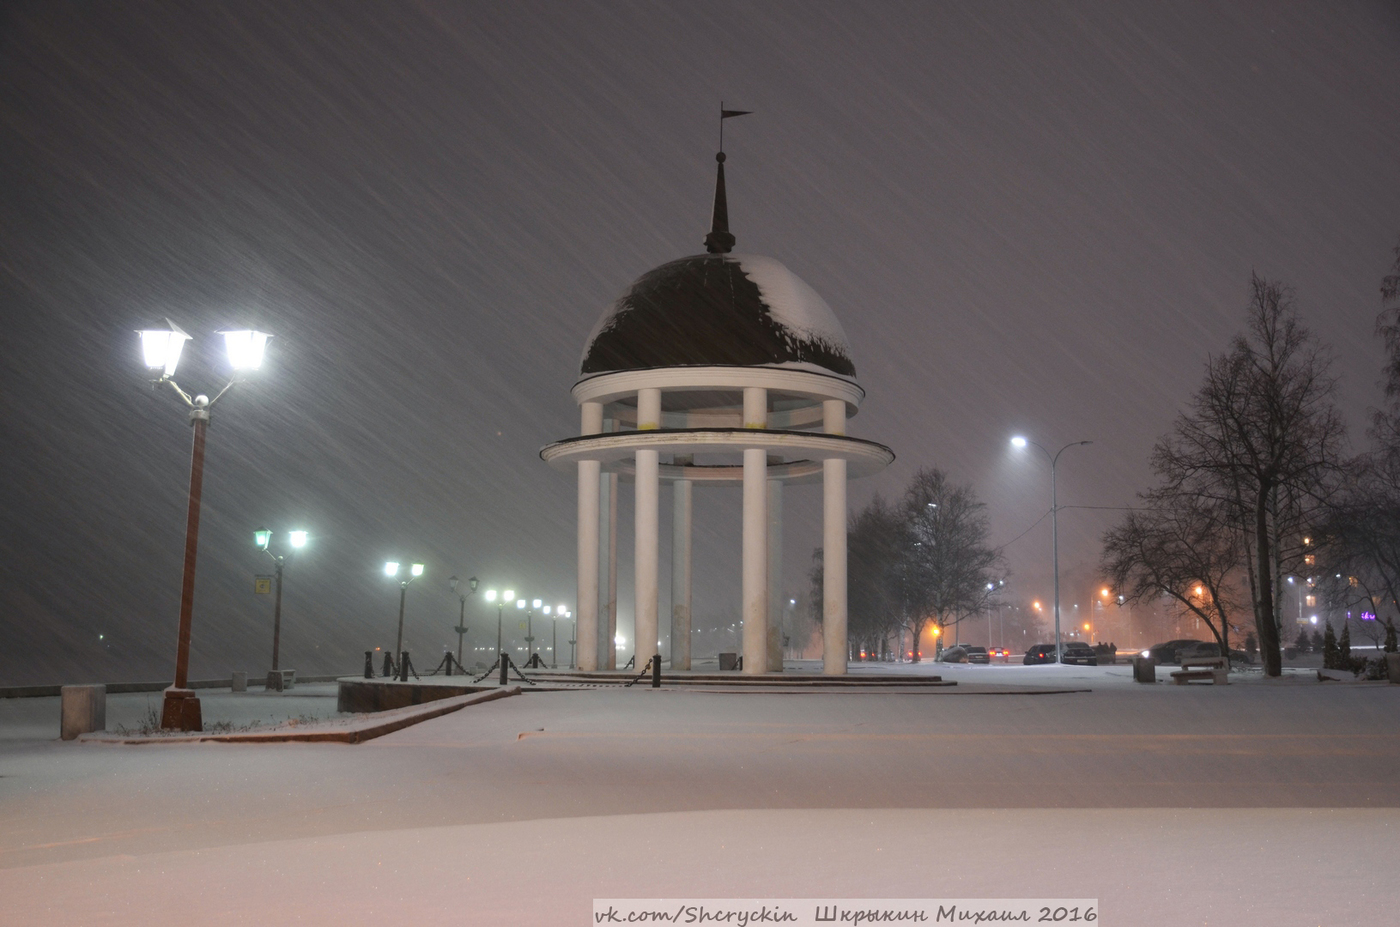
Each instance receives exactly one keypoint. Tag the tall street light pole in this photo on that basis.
(1019, 442)
(461, 628)
(262, 537)
(505, 598)
(391, 569)
(530, 629)
(161, 348)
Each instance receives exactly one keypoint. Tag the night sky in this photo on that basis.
(1030, 218)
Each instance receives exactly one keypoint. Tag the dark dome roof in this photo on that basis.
(718, 310)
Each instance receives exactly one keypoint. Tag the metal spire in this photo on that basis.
(720, 241)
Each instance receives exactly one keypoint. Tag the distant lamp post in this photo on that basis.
(391, 570)
(505, 599)
(530, 628)
(262, 538)
(1020, 443)
(461, 628)
(161, 349)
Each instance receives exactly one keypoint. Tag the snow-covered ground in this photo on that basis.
(1172, 805)
(256, 709)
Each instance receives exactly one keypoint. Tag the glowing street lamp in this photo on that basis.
(160, 351)
(391, 569)
(506, 598)
(262, 537)
(1020, 443)
(461, 628)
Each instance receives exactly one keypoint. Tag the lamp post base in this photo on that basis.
(180, 711)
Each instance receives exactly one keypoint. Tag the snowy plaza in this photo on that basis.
(1180, 805)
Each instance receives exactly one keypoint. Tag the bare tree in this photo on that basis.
(1260, 435)
(1186, 548)
(949, 571)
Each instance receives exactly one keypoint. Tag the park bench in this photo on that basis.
(1216, 669)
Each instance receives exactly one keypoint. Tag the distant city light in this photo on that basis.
(1368, 616)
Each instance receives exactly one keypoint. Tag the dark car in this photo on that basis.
(1076, 652)
(977, 654)
(954, 655)
(1080, 654)
(1170, 652)
(1208, 649)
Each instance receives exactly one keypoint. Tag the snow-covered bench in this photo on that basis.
(1215, 669)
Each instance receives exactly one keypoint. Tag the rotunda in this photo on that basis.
(711, 369)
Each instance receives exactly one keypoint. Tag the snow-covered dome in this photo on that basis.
(718, 310)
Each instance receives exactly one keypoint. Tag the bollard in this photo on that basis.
(240, 682)
(656, 671)
(83, 709)
(403, 666)
(1144, 669)
(505, 666)
(274, 681)
(1392, 667)
(388, 665)
(369, 664)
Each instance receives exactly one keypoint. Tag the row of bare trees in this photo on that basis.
(1254, 482)
(922, 562)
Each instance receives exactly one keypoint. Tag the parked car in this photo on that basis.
(1169, 652)
(1209, 649)
(977, 654)
(1080, 654)
(1076, 652)
(956, 654)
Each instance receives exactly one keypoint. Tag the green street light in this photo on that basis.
(262, 538)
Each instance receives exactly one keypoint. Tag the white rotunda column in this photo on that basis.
(682, 496)
(591, 414)
(776, 603)
(647, 530)
(755, 543)
(834, 644)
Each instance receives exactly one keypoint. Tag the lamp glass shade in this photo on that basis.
(391, 568)
(161, 347)
(546, 609)
(417, 569)
(453, 581)
(262, 537)
(490, 595)
(1018, 442)
(473, 582)
(509, 595)
(519, 603)
(245, 348)
(536, 604)
(297, 538)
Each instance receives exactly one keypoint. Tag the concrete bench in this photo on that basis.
(281, 680)
(1215, 669)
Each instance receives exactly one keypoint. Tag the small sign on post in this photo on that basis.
(262, 584)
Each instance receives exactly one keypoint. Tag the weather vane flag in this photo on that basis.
(728, 114)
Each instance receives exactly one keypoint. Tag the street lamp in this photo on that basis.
(391, 569)
(160, 350)
(506, 597)
(461, 628)
(1020, 443)
(262, 538)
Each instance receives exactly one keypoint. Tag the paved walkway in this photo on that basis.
(1228, 805)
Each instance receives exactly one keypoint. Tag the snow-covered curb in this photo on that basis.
(354, 731)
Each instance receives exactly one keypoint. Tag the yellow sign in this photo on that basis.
(262, 585)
